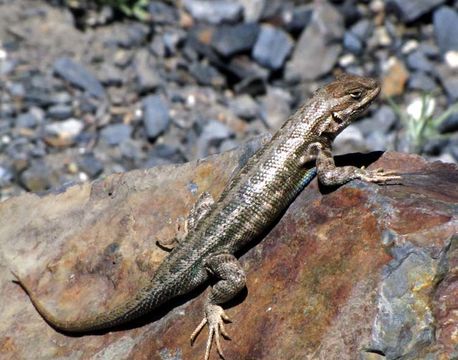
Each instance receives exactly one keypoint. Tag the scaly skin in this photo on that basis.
(251, 202)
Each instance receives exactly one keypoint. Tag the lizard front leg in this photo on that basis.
(329, 174)
(232, 280)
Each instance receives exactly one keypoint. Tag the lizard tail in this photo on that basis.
(116, 316)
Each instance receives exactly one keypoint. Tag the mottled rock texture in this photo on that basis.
(348, 273)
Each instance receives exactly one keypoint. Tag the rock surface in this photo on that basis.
(383, 259)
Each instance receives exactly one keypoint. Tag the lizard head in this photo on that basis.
(349, 96)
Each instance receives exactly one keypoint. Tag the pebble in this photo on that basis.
(214, 11)
(383, 120)
(213, 133)
(253, 9)
(27, 120)
(272, 47)
(156, 118)
(395, 78)
(450, 124)
(449, 80)
(418, 61)
(451, 59)
(63, 133)
(109, 75)
(116, 133)
(245, 107)
(60, 111)
(6, 176)
(130, 36)
(78, 75)
(229, 40)
(90, 165)
(38, 177)
(420, 81)
(445, 22)
(145, 70)
(161, 13)
(297, 19)
(275, 107)
(317, 42)
(410, 10)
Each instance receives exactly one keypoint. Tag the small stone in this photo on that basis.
(79, 76)
(352, 43)
(214, 11)
(122, 58)
(206, 75)
(172, 40)
(445, 21)
(245, 107)
(27, 120)
(297, 19)
(213, 133)
(350, 140)
(6, 176)
(394, 79)
(420, 81)
(318, 47)
(161, 13)
(434, 146)
(252, 9)
(418, 61)
(63, 133)
(72, 168)
(60, 111)
(167, 152)
(16, 90)
(38, 177)
(156, 118)
(229, 40)
(109, 75)
(362, 29)
(146, 73)
(275, 107)
(449, 80)
(132, 35)
(116, 133)
(272, 47)
(453, 148)
(450, 124)
(252, 85)
(90, 165)
(383, 121)
(451, 59)
(61, 97)
(410, 10)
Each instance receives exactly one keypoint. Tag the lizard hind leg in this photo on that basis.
(201, 207)
(232, 280)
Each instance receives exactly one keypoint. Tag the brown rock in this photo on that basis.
(394, 80)
(314, 284)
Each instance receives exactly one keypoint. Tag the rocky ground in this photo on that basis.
(87, 94)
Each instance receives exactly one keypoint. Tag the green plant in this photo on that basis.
(134, 8)
(418, 121)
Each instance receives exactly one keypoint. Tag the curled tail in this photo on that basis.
(129, 310)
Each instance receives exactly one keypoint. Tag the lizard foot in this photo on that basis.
(378, 175)
(215, 318)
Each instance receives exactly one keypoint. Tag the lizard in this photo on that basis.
(251, 202)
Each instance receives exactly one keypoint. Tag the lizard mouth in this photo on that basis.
(337, 117)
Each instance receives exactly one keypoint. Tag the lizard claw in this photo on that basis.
(215, 318)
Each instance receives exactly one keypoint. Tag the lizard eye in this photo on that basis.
(356, 94)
